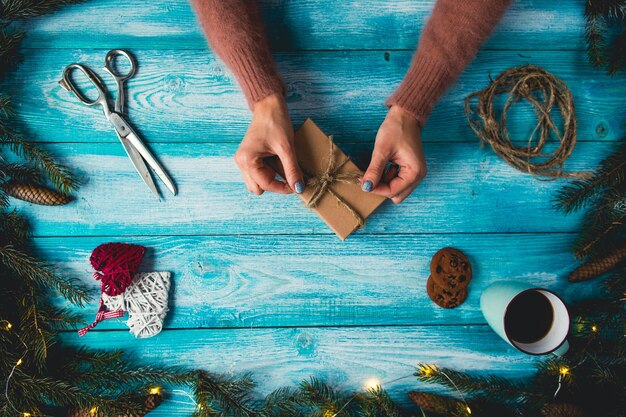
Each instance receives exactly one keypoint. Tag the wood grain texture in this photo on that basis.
(277, 281)
(261, 284)
(189, 96)
(301, 25)
(467, 190)
(344, 357)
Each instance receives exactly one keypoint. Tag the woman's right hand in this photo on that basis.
(270, 134)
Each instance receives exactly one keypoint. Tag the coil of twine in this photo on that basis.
(544, 92)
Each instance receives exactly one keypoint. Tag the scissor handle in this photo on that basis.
(110, 67)
(68, 84)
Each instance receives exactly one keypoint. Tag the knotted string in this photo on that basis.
(321, 183)
(116, 263)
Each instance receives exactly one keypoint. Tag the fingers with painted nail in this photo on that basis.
(270, 134)
(397, 142)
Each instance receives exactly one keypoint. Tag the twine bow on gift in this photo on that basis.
(116, 263)
(321, 183)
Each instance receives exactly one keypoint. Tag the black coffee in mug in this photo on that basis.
(529, 317)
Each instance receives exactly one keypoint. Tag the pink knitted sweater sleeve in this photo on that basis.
(450, 40)
(235, 32)
(448, 43)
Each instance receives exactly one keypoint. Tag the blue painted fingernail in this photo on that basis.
(367, 186)
(299, 187)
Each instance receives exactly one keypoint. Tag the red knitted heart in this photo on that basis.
(117, 263)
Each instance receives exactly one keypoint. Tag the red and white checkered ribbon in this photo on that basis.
(101, 315)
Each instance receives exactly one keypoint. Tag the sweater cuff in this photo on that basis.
(424, 83)
(257, 78)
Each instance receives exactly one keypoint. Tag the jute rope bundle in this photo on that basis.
(145, 299)
(321, 183)
(543, 91)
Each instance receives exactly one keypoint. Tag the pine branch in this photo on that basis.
(9, 44)
(599, 16)
(111, 377)
(5, 105)
(230, 396)
(39, 273)
(495, 387)
(59, 175)
(32, 329)
(617, 57)
(376, 402)
(595, 32)
(283, 402)
(4, 199)
(615, 284)
(611, 173)
(604, 226)
(614, 9)
(322, 398)
(19, 172)
(14, 229)
(600, 235)
(22, 9)
(37, 390)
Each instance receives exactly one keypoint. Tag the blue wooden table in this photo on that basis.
(261, 284)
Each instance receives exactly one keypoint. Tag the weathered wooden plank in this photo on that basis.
(468, 189)
(344, 357)
(270, 281)
(189, 96)
(298, 25)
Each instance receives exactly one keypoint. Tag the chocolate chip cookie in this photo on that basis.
(445, 298)
(450, 269)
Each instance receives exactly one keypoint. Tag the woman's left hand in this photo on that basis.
(398, 141)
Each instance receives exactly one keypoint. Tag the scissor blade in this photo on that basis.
(151, 160)
(140, 166)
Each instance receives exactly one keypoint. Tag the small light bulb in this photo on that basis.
(155, 391)
(564, 370)
(19, 362)
(9, 325)
(426, 370)
(27, 414)
(594, 328)
(372, 383)
(93, 411)
(469, 410)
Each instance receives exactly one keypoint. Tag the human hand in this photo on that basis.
(398, 141)
(270, 133)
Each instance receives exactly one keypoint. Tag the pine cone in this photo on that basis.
(35, 194)
(150, 402)
(436, 404)
(594, 268)
(562, 410)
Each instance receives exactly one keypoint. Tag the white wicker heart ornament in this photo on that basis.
(145, 299)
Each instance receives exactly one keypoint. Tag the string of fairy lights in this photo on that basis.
(423, 371)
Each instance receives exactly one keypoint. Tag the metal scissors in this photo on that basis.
(133, 145)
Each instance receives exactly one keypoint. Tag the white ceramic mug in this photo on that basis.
(495, 302)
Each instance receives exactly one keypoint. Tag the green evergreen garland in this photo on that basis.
(52, 377)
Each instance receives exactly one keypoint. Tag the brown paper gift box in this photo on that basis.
(313, 152)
